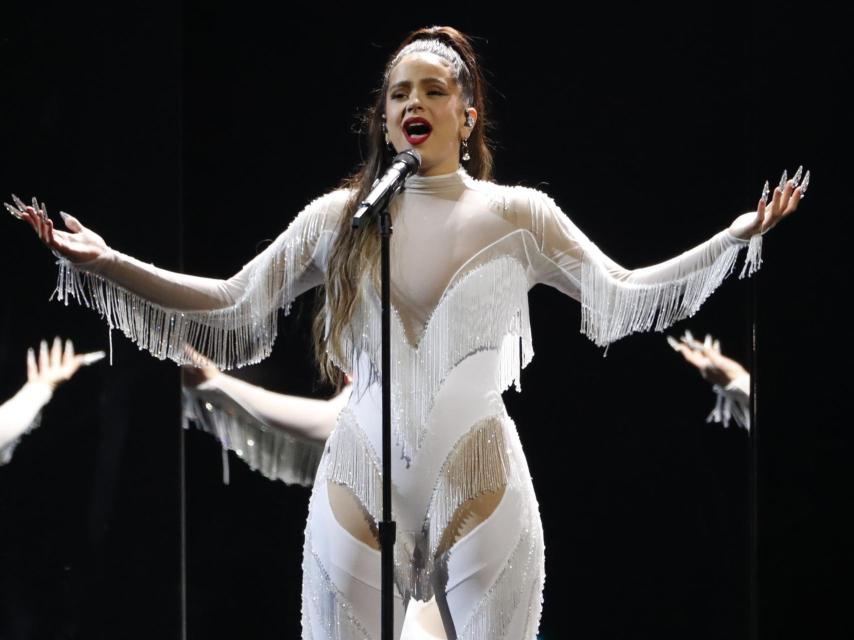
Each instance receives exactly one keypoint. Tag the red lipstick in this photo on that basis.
(416, 130)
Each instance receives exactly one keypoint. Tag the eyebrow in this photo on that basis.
(407, 83)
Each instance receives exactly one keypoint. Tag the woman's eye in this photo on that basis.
(399, 96)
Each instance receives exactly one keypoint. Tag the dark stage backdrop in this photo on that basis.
(91, 124)
(189, 136)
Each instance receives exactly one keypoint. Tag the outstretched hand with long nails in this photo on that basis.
(78, 244)
(787, 195)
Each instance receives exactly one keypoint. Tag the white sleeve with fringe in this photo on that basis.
(279, 435)
(732, 403)
(20, 415)
(617, 301)
(232, 322)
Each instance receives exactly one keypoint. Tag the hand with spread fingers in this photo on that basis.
(707, 358)
(57, 364)
(52, 367)
(78, 244)
(787, 195)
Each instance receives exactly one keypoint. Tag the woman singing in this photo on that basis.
(465, 253)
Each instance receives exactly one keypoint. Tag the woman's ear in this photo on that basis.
(471, 117)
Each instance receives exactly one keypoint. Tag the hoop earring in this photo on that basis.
(466, 156)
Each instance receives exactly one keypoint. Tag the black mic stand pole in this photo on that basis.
(387, 526)
(753, 465)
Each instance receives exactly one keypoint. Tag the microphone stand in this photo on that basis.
(387, 526)
(753, 466)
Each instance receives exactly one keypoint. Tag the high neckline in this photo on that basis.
(436, 184)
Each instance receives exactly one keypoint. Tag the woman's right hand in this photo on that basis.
(708, 359)
(78, 244)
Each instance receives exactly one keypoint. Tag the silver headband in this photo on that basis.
(439, 48)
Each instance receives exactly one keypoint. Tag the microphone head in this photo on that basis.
(411, 158)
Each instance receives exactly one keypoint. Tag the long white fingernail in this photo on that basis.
(37, 208)
(783, 180)
(797, 178)
(91, 358)
(806, 183)
(765, 191)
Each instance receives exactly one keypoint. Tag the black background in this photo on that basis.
(187, 135)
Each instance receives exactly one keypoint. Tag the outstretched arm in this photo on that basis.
(617, 301)
(306, 418)
(279, 435)
(232, 321)
(20, 414)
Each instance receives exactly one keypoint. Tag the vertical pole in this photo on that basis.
(387, 526)
(753, 467)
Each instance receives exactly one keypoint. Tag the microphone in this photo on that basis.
(404, 164)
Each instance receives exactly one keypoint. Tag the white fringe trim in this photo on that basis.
(753, 260)
(500, 605)
(726, 409)
(353, 463)
(273, 453)
(492, 314)
(242, 333)
(330, 606)
(612, 309)
(477, 464)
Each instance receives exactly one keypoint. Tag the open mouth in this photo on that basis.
(416, 130)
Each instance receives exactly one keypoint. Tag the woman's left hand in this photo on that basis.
(202, 370)
(783, 203)
(57, 364)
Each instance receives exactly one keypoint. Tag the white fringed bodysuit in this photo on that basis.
(465, 253)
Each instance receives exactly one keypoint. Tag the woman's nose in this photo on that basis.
(414, 102)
